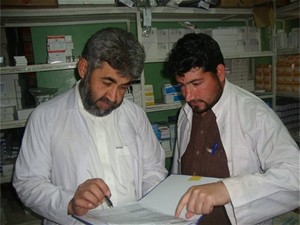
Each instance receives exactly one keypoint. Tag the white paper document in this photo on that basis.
(156, 208)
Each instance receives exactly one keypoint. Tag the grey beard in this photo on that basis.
(90, 106)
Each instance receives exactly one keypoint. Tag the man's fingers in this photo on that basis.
(189, 215)
(182, 203)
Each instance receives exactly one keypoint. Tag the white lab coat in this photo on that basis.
(53, 157)
(263, 159)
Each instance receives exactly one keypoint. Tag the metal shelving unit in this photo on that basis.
(86, 14)
(65, 15)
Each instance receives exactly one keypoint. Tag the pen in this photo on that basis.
(214, 149)
(108, 201)
(201, 218)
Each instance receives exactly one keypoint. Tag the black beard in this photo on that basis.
(198, 110)
(208, 106)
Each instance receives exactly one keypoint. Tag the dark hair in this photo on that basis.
(119, 48)
(194, 50)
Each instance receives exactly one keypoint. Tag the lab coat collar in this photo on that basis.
(224, 100)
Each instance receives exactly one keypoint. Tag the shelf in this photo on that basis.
(265, 95)
(288, 94)
(163, 107)
(236, 55)
(71, 14)
(37, 68)
(288, 51)
(64, 15)
(184, 13)
(232, 55)
(12, 124)
(287, 12)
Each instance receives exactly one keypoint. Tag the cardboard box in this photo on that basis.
(28, 3)
(236, 3)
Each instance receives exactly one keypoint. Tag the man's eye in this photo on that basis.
(107, 83)
(196, 83)
(124, 87)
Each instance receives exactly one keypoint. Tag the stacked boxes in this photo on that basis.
(166, 134)
(237, 39)
(288, 111)
(263, 77)
(149, 41)
(172, 94)
(288, 74)
(159, 42)
(230, 39)
(11, 97)
(134, 93)
(237, 72)
(165, 140)
(149, 95)
(293, 38)
(288, 40)
(163, 43)
(59, 48)
(281, 39)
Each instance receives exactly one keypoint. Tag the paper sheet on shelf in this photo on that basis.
(156, 208)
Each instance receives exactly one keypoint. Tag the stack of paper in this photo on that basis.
(156, 208)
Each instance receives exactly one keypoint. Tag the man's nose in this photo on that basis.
(112, 94)
(188, 94)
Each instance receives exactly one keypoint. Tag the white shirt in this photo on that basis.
(110, 157)
(263, 159)
(54, 155)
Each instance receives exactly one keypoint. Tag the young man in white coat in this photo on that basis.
(227, 132)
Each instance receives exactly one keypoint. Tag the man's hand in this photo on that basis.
(88, 195)
(201, 199)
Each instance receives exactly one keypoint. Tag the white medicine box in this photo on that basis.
(151, 50)
(163, 50)
(163, 35)
(176, 34)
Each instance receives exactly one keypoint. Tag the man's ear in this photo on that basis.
(82, 67)
(221, 72)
